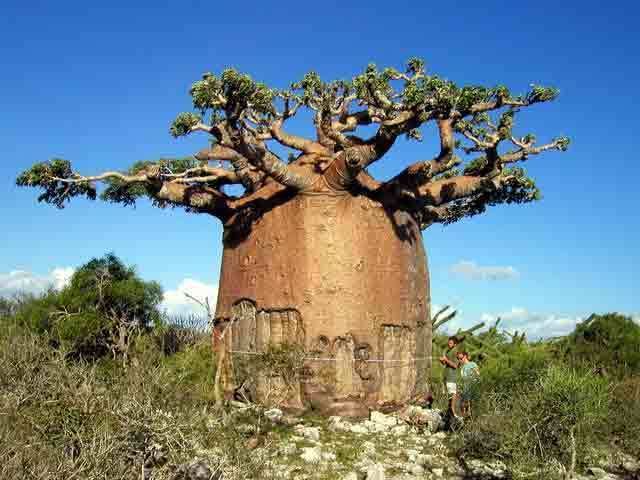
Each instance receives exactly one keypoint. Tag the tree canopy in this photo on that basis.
(245, 121)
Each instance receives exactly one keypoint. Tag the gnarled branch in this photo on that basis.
(193, 188)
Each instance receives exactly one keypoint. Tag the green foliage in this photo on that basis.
(240, 89)
(542, 94)
(231, 92)
(372, 82)
(518, 188)
(127, 193)
(183, 124)
(536, 397)
(280, 367)
(84, 317)
(622, 426)
(7, 308)
(517, 367)
(563, 143)
(123, 193)
(610, 341)
(415, 65)
(49, 177)
(114, 288)
(535, 424)
(396, 101)
(505, 124)
(568, 398)
(475, 166)
(205, 93)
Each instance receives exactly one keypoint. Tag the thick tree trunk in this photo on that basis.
(344, 277)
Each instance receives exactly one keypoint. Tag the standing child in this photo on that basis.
(470, 374)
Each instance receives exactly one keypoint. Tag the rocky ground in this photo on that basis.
(407, 445)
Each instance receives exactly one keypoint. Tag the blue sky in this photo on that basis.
(99, 85)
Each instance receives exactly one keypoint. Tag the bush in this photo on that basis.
(541, 427)
(99, 312)
(623, 422)
(607, 343)
(73, 419)
(517, 368)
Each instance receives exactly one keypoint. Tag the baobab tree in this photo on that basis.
(317, 252)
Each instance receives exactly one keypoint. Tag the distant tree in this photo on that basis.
(610, 342)
(104, 304)
(7, 307)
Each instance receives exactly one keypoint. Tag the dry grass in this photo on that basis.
(72, 420)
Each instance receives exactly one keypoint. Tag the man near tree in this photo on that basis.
(450, 363)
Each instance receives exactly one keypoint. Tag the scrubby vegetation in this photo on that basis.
(548, 407)
(95, 382)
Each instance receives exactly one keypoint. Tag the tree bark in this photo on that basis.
(347, 279)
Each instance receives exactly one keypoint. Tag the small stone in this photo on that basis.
(310, 433)
(412, 455)
(495, 469)
(425, 459)
(252, 443)
(274, 414)
(358, 428)
(197, 470)
(311, 455)
(601, 474)
(382, 419)
(368, 448)
(437, 472)
(328, 456)
(288, 449)
(375, 427)
(375, 472)
(245, 428)
(416, 469)
(290, 420)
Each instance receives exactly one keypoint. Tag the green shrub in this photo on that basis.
(102, 309)
(518, 368)
(541, 427)
(608, 343)
(622, 425)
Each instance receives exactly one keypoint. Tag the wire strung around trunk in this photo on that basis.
(319, 359)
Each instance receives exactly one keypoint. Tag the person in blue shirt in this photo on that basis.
(470, 376)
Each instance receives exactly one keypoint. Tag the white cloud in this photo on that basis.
(472, 271)
(536, 325)
(22, 281)
(175, 302)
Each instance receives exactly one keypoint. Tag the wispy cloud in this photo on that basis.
(536, 325)
(175, 302)
(470, 270)
(23, 281)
